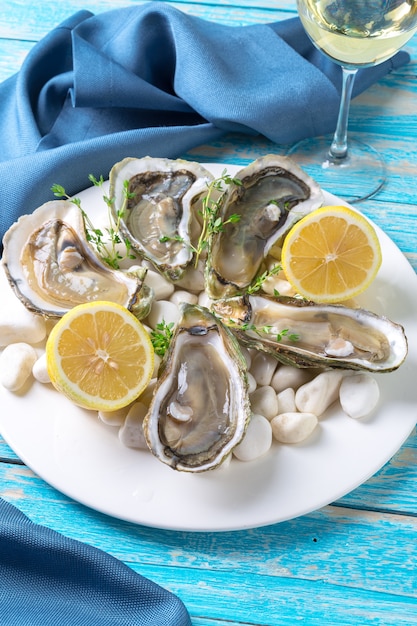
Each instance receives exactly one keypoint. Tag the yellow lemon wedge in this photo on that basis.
(100, 356)
(331, 254)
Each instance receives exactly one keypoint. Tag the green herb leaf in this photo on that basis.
(259, 281)
(105, 249)
(212, 222)
(161, 337)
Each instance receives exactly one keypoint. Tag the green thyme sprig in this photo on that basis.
(106, 249)
(285, 333)
(258, 283)
(266, 330)
(161, 337)
(212, 223)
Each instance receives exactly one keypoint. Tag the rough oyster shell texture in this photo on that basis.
(52, 267)
(305, 334)
(157, 202)
(272, 195)
(200, 407)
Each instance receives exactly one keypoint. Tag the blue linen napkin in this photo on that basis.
(152, 80)
(47, 579)
(145, 80)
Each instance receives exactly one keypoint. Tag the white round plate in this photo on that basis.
(81, 457)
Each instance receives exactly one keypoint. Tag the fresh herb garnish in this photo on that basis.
(265, 330)
(211, 222)
(258, 283)
(107, 250)
(161, 337)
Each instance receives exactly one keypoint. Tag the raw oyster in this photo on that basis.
(274, 193)
(52, 267)
(158, 201)
(200, 407)
(305, 334)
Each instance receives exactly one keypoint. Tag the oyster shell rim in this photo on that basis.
(151, 420)
(55, 211)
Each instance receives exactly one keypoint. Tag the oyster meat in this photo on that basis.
(272, 195)
(200, 407)
(52, 267)
(157, 201)
(305, 334)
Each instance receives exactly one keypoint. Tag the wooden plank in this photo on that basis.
(259, 601)
(319, 546)
(6, 452)
(325, 568)
(31, 21)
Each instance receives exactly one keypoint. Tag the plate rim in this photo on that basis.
(64, 485)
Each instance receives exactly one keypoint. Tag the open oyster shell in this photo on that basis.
(272, 195)
(200, 408)
(305, 334)
(157, 201)
(52, 267)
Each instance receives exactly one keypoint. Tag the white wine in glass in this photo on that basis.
(354, 34)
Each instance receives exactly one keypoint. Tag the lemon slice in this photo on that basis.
(100, 356)
(331, 254)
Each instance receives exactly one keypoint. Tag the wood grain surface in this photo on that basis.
(353, 562)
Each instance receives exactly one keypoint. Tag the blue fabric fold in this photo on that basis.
(152, 80)
(47, 579)
(145, 80)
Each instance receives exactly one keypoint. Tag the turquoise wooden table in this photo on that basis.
(351, 562)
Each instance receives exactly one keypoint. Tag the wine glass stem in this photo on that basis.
(339, 146)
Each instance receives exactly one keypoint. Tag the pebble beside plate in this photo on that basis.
(82, 457)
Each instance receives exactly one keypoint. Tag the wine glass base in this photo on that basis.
(358, 176)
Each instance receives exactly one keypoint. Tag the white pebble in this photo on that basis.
(180, 296)
(163, 310)
(114, 418)
(135, 269)
(192, 279)
(16, 363)
(40, 370)
(264, 402)
(251, 383)
(286, 401)
(288, 376)
(147, 394)
(293, 427)
(17, 323)
(317, 395)
(161, 287)
(257, 440)
(204, 300)
(359, 395)
(263, 367)
(131, 432)
(274, 284)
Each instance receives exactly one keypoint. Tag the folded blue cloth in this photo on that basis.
(151, 80)
(47, 579)
(145, 80)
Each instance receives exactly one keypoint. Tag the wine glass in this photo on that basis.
(354, 34)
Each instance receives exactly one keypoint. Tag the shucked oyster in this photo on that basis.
(158, 200)
(200, 406)
(274, 193)
(52, 267)
(305, 334)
